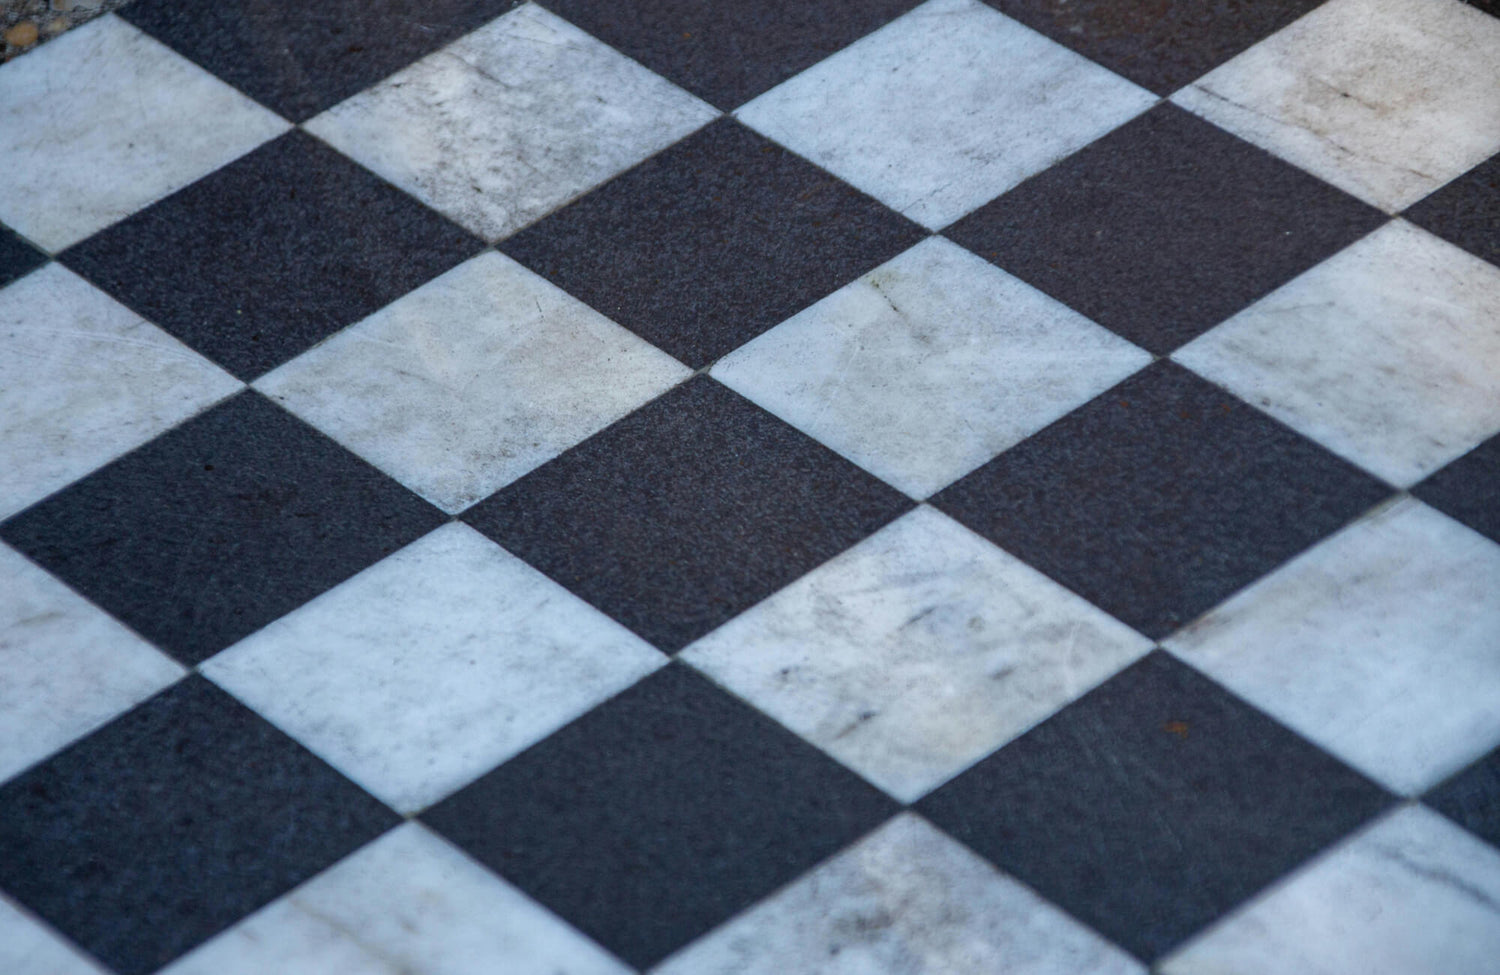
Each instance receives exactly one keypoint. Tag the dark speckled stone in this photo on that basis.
(1466, 211)
(1160, 498)
(256, 262)
(17, 257)
(220, 526)
(1472, 798)
(172, 823)
(1154, 805)
(660, 814)
(1165, 227)
(702, 248)
(687, 512)
(1469, 489)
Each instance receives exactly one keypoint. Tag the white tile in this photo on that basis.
(407, 904)
(1412, 894)
(1386, 99)
(929, 366)
(433, 666)
(28, 947)
(472, 380)
(510, 122)
(1387, 353)
(945, 108)
(906, 900)
(917, 652)
(102, 121)
(1382, 644)
(66, 666)
(83, 380)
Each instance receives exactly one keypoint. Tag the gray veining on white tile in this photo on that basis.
(928, 366)
(945, 108)
(28, 947)
(917, 652)
(1386, 99)
(1387, 353)
(511, 121)
(433, 666)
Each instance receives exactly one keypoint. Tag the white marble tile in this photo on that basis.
(906, 900)
(945, 108)
(917, 652)
(929, 366)
(1382, 644)
(1412, 894)
(102, 121)
(66, 666)
(28, 947)
(511, 121)
(472, 380)
(83, 380)
(433, 666)
(1386, 99)
(1387, 353)
(407, 904)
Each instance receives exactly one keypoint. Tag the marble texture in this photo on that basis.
(916, 653)
(82, 380)
(928, 366)
(944, 109)
(1412, 893)
(511, 121)
(1386, 99)
(126, 122)
(1382, 644)
(1387, 353)
(407, 904)
(472, 380)
(28, 947)
(432, 666)
(906, 900)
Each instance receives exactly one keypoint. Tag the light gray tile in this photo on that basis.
(27, 947)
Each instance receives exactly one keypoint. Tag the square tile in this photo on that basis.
(710, 243)
(660, 814)
(83, 380)
(944, 109)
(1159, 498)
(407, 903)
(686, 512)
(904, 899)
(432, 666)
(729, 52)
(510, 122)
(928, 366)
(1380, 645)
(30, 947)
(1153, 805)
(1386, 353)
(1412, 893)
(1164, 228)
(1471, 798)
(172, 823)
(472, 380)
(1469, 489)
(1466, 211)
(916, 653)
(17, 257)
(103, 120)
(1386, 99)
(300, 58)
(220, 526)
(269, 255)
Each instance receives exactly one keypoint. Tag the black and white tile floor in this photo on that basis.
(805, 486)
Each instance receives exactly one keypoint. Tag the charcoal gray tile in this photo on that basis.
(1469, 489)
(1472, 798)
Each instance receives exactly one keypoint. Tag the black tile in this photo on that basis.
(1161, 497)
(660, 814)
(1153, 805)
(1468, 489)
(727, 53)
(1165, 227)
(1158, 44)
(260, 260)
(300, 58)
(1466, 211)
(1472, 798)
(17, 257)
(710, 243)
(1491, 7)
(220, 526)
(172, 823)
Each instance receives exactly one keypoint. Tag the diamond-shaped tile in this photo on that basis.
(928, 366)
(472, 380)
(17, 257)
(29, 946)
(1471, 798)
(1469, 489)
(1466, 211)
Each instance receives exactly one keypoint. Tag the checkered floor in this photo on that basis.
(806, 486)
